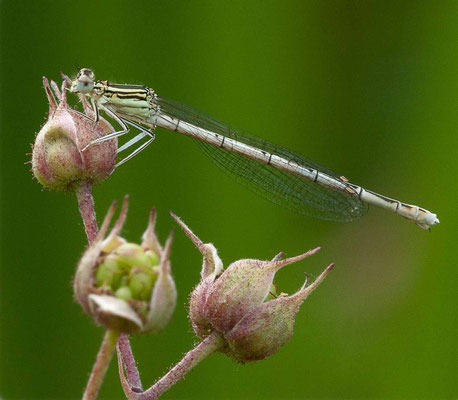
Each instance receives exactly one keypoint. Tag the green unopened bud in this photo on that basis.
(132, 254)
(103, 276)
(141, 284)
(109, 274)
(124, 293)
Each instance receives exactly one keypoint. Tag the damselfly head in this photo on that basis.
(84, 81)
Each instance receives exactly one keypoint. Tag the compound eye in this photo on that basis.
(85, 72)
(88, 73)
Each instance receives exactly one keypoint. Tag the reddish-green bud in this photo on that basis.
(240, 303)
(267, 327)
(58, 159)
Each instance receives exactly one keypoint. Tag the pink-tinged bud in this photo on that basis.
(238, 302)
(58, 159)
(263, 330)
(125, 286)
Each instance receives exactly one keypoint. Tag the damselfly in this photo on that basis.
(279, 175)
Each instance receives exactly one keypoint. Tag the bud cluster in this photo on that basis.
(127, 286)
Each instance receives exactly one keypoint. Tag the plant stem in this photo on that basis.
(102, 362)
(86, 206)
(133, 377)
(208, 346)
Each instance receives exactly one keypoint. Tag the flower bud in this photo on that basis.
(58, 159)
(125, 286)
(240, 303)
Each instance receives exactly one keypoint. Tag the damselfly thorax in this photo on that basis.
(129, 101)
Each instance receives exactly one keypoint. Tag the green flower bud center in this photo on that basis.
(129, 272)
(123, 293)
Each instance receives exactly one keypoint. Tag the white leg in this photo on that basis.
(120, 121)
(136, 151)
(125, 129)
(131, 142)
(143, 132)
(95, 109)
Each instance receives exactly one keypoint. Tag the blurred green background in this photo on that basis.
(367, 88)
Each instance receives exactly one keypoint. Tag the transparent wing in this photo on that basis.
(290, 191)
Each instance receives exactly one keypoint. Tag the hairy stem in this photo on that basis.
(125, 351)
(86, 206)
(208, 346)
(102, 362)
